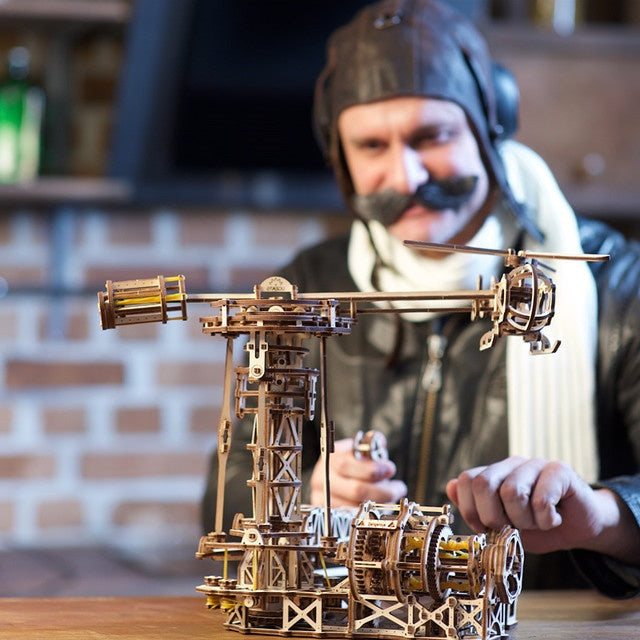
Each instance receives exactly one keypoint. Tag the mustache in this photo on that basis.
(388, 205)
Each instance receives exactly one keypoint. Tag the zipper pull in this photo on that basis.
(432, 376)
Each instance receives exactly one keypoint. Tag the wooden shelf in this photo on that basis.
(600, 40)
(54, 191)
(47, 13)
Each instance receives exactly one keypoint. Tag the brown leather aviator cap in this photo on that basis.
(398, 48)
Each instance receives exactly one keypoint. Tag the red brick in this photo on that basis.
(276, 229)
(202, 227)
(60, 513)
(147, 331)
(189, 373)
(6, 516)
(244, 278)
(8, 325)
(129, 228)
(77, 324)
(26, 374)
(138, 420)
(67, 420)
(18, 276)
(284, 228)
(168, 513)
(39, 226)
(26, 466)
(139, 465)
(74, 325)
(6, 417)
(205, 420)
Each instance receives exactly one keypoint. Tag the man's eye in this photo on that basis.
(371, 145)
(435, 137)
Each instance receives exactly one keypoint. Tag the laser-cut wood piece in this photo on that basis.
(385, 570)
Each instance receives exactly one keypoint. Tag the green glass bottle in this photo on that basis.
(21, 118)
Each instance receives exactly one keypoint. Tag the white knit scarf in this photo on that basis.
(551, 398)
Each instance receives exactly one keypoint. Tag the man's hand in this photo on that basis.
(551, 505)
(354, 481)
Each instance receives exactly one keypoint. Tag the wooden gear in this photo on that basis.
(387, 570)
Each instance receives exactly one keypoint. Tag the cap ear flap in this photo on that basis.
(321, 110)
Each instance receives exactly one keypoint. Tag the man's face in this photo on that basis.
(401, 143)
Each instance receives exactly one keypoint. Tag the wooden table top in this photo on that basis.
(548, 615)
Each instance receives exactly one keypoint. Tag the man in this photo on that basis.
(410, 114)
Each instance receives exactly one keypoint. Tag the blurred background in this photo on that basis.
(146, 137)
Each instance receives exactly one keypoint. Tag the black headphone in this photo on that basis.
(507, 101)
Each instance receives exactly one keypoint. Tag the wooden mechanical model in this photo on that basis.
(383, 570)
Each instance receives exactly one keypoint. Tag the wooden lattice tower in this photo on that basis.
(279, 391)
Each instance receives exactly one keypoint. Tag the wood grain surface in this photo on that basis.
(543, 615)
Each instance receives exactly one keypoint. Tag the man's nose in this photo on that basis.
(407, 171)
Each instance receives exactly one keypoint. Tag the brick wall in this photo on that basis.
(105, 435)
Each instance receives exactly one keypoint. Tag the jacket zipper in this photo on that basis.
(431, 384)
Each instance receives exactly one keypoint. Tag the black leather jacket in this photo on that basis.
(376, 381)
